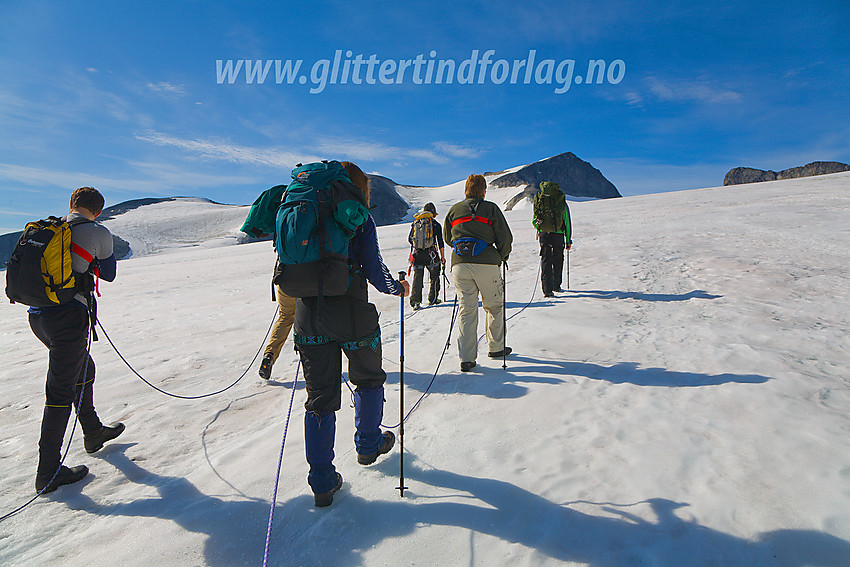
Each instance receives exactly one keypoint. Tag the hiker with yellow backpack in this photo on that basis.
(53, 270)
(426, 251)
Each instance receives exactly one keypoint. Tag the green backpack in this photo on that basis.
(260, 221)
(549, 206)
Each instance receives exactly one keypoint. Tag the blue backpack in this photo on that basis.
(320, 212)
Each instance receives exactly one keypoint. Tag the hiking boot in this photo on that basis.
(435, 302)
(266, 367)
(416, 306)
(64, 476)
(327, 498)
(389, 441)
(548, 294)
(558, 289)
(95, 442)
(500, 353)
(467, 366)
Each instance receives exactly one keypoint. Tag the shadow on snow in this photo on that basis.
(601, 294)
(483, 506)
(497, 383)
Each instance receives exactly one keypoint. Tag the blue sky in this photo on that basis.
(125, 96)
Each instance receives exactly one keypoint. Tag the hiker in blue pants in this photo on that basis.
(325, 328)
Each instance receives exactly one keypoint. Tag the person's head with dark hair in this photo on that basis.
(430, 208)
(358, 178)
(87, 198)
(476, 186)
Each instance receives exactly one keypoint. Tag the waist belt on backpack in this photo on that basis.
(372, 341)
(485, 220)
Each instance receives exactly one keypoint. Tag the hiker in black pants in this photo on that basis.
(64, 330)
(554, 231)
(325, 328)
(427, 251)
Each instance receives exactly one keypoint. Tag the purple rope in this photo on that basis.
(279, 463)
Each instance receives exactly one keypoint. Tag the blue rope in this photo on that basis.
(279, 463)
(133, 370)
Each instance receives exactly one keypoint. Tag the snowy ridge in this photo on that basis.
(687, 403)
(183, 221)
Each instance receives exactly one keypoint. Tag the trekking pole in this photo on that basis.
(568, 268)
(445, 282)
(504, 316)
(401, 487)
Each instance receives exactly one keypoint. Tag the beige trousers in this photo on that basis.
(472, 281)
(283, 324)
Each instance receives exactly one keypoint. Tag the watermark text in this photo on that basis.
(479, 68)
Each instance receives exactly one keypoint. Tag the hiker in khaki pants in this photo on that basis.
(280, 331)
(472, 280)
(481, 240)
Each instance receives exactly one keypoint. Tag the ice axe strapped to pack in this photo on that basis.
(320, 212)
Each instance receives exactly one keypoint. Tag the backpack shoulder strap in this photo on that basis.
(76, 248)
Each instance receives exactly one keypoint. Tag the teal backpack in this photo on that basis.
(320, 212)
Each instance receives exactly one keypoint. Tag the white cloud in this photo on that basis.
(220, 150)
(426, 155)
(355, 150)
(454, 150)
(634, 98)
(350, 149)
(167, 88)
(692, 91)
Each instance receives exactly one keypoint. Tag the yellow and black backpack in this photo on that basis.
(39, 271)
(423, 231)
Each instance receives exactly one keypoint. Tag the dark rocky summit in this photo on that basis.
(740, 175)
(576, 177)
(387, 206)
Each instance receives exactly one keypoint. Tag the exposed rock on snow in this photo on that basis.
(741, 175)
